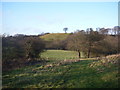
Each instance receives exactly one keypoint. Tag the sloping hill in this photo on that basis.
(80, 74)
(55, 36)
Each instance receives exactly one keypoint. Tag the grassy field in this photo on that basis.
(55, 36)
(59, 55)
(86, 73)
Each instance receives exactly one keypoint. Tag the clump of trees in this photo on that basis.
(12, 48)
(33, 47)
(20, 49)
(55, 44)
(95, 43)
(76, 42)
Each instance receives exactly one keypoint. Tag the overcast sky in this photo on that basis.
(38, 17)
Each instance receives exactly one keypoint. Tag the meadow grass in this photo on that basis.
(59, 55)
(78, 74)
(75, 75)
(55, 36)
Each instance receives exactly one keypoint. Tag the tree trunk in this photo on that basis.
(88, 53)
(79, 54)
(89, 50)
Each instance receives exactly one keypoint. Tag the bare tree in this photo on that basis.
(92, 37)
(76, 42)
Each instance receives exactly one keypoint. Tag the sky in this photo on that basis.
(33, 18)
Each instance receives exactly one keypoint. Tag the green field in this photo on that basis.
(85, 73)
(55, 36)
(59, 55)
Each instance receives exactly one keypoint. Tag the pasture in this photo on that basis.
(59, 55)
(55, 36)
(86, 73)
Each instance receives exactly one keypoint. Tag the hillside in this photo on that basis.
(55, 36)
(86, 73)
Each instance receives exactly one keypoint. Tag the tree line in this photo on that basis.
(90, 42)
(93, 43)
